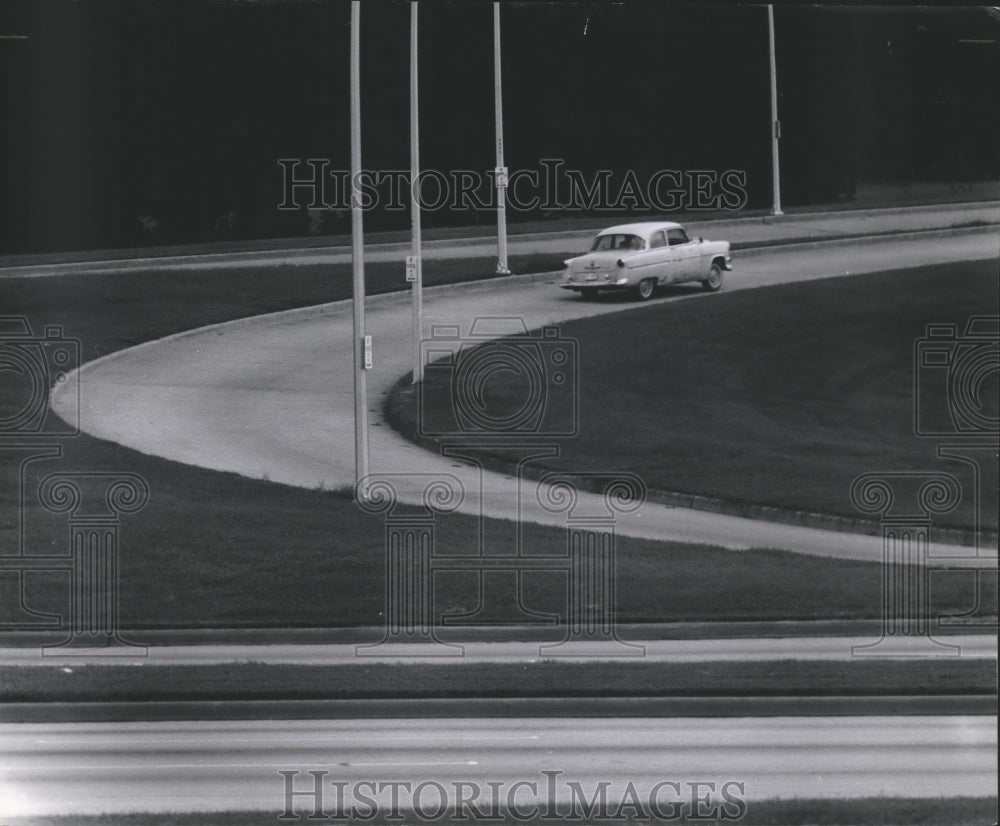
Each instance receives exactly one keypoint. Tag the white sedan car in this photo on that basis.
(641, 257)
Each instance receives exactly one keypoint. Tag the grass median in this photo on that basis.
(774, 398)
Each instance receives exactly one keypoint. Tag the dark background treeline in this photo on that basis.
(153, 121)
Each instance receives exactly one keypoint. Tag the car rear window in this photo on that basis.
(617, 241)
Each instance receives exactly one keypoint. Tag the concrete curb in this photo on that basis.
(796, 246)
(875, 211)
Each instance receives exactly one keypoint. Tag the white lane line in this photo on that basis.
(332, 739)
(409, 763)
(229, 765)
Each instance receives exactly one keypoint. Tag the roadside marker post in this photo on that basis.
(501, 172)
(362, 345)
(414, 270)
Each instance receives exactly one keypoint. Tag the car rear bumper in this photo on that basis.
(602, 287)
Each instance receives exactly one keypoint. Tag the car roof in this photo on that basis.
(641, 228)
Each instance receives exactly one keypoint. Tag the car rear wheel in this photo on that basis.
(589, 293)
(645, 289)
(714, 280)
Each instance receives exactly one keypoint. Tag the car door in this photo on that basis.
(661, 256)
(684, 252)
(643, 260)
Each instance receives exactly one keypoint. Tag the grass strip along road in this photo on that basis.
(216, 550)
(875, 811)
(255, 682)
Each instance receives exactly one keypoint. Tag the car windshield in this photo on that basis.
(617, 241)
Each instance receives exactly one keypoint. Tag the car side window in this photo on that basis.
(657, 240)
(677, 236)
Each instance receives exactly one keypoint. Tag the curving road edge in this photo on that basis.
(272, 396)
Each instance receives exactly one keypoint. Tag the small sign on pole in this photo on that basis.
(369, 361)
(501, 170)
(776, 124)
(412, 267)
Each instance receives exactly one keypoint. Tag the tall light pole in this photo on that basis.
(501, 170)
(775, 123)
(414, 269)
(362, 342)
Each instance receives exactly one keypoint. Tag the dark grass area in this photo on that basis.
(255, 681)
(777, 397)
(219, 550)
(872, 811)
(110, 311)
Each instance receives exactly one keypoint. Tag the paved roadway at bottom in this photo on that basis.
(200, 766)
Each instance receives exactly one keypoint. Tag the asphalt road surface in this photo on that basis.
(90, 768)
(272, 397)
